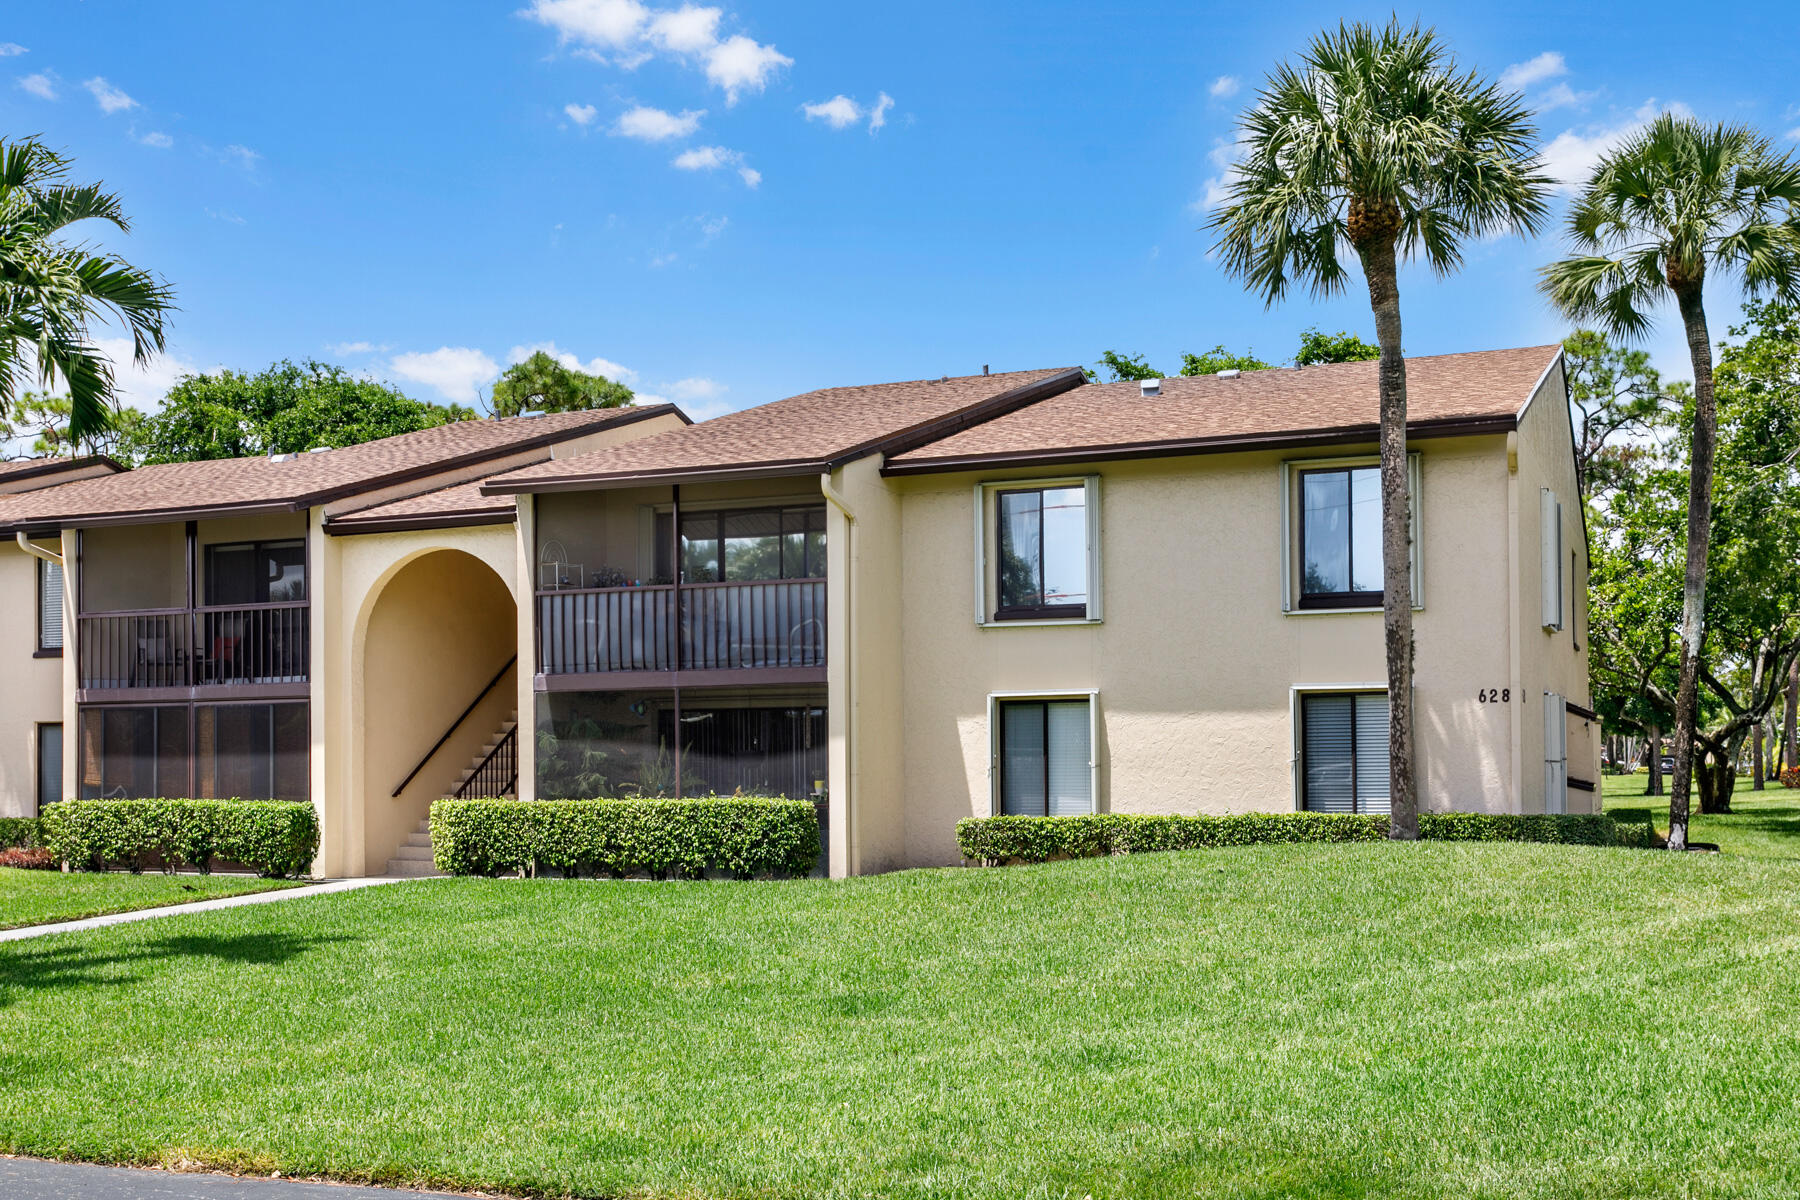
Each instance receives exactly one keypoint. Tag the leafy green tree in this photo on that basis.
(541, 384)
(1220, 359)
(1616, 394)
(1123, 366)
(284, 409)
(1672, 204)
(1376, 142)
(1340, 347)
(45, 419)
(52, 291)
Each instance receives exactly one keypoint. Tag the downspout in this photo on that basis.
(36, 551)
(851, 551)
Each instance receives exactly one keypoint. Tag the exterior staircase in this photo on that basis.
(488, 774)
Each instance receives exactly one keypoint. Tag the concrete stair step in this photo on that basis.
(413, 853)
(412, 867)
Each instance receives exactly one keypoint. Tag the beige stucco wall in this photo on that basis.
(33, 686)
(1195, 663)
(408, 627)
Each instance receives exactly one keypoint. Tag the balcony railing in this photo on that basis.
(759, 625)
(194, 647)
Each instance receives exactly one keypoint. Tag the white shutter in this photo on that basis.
(1550, 544)
(1372, 759)
(1556, 754)
(50, 605)
(1070, 769)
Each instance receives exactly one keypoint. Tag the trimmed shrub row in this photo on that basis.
(19, 831)
(275, 838)
(996, 841)
(747, 836)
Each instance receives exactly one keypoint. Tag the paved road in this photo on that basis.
(34, 1179)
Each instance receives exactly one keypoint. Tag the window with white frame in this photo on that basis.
(1551, 545)
(1333, 543)
(1044, 756)
(49, 605)
(1344, 752)
(1037, 551)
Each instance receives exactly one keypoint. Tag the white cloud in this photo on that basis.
(220, 214)
(347, 349)
(1571, 155)
(628, 33)
(144, 387)
(751, 176)
(878, 114)
(696, 388)
(1519, 76)
(839, 112)
(658, 261)
(654, 125)
(712, 227)
(241, 156)
(456, 372)
(593, 366)
(1561, 95)
(161, 141)
(581, 114)
(738, 64)
(42, 85)
(109, 98)
(12, 50)
(1223, 157)
(690, 29)
(1224, 87)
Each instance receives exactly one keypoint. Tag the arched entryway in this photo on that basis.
(439, 638)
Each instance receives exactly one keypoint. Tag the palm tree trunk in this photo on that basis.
(1396, 539)
(1699, 539)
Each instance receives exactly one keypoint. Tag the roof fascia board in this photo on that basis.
(575, 483)
(348, 526)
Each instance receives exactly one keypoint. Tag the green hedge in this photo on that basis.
(19, 831)
(1000, 840)
(275, 838)
(747, 836)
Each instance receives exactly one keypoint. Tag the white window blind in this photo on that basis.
(1344, 752)
(1046, 760)
(1551, 545)
(1556, 753)
(50, 606)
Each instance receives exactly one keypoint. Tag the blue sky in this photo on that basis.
(726, 205)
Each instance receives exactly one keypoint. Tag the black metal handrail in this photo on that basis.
(439, 744)
(498, 773)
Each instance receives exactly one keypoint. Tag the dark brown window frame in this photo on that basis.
(41, 650)
(190, 708)
(1330, 600)
(257, 546)
(718, 516)
(1043, 703)
(1034, 612)
(1355, 799)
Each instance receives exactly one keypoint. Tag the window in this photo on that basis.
(739, 545)
(1551, 546)
(256, 573)
(50, 607)
(210, 751)
(1344, 752)
(49, 765)
(1038, 551)
(1340, 538)
(134, 753)
(1045, 757)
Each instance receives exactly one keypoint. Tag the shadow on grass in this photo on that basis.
(35, 966)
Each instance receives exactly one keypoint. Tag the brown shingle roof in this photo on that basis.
(797, 435)
(42, 472)
(461, 504)
(1321, 404)
(174, 491)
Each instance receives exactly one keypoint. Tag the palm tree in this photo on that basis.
(1376, 143)
(51, 291)
(1674, 202)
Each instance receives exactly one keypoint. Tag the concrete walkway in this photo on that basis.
(35, 1179)
(169, 910)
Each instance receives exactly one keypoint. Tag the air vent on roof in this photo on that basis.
(317, 449)
(1231, 374)
(283, 457)
(1149, 387)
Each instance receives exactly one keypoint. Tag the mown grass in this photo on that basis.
(1412, 1021)
(40, 897)
(1763, 824)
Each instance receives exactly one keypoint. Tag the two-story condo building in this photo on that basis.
(913, 602)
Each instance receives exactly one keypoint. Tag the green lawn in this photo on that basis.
(38, 897)
(1409, 1021)
(1763, 824)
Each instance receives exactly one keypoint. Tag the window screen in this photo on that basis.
(1344, 752)
(50, 605)
(1046, 758)
(49, 765)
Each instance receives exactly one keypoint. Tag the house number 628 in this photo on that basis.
(1494, 695)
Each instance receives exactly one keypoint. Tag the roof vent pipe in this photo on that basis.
(1149, 387)
(1231, 374)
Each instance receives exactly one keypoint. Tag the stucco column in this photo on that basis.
(525, 592)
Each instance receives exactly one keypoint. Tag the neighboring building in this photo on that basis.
(914, 602)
